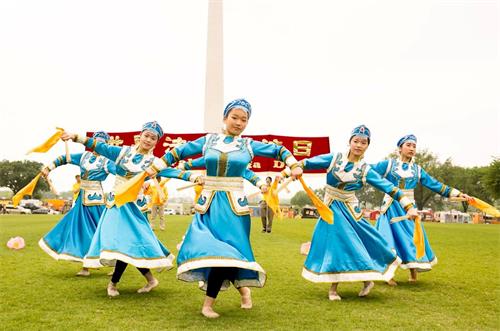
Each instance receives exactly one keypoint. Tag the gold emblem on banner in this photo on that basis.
(276, 141)
(302, 147)
(172, 143)
(115, 141)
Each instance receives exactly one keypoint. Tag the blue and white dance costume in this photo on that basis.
(248, 174)
(219, 235)
(123, 232)
(393, 223)
(350, 249)
(70, 238)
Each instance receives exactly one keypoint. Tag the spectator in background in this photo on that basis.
(158, 203)
(266, 213)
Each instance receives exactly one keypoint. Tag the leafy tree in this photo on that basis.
(300, 199)
(470, 181)
(491, 178)
(369, 197)
(17, 174)
(320, 192)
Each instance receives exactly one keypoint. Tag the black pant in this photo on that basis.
(217, 276)
(120, 268)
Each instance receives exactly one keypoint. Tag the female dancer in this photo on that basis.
(70, 239)
(216, 249)
(350, 249)
(123, 235)
(393, 222)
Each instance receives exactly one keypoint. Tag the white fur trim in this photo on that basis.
(405, 201)
(184, 271)
(287, 172)
(80, 138)
(352, 276)
(454, 193)
(55, 255)
(159, 163)
(107, 258)
(291, 160)
(194, 176)
(218, 262)
(420, 266)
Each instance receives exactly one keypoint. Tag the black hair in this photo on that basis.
(355, 136)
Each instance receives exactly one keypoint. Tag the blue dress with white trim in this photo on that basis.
(219, 235)
(123, 232)
(70, 239)
(393, 224)
(350, 249)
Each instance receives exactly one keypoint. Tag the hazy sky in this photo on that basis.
(307, 67)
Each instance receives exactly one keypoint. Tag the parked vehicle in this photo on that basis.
(10, 209)
(41, 210)
(309, 212)
(169, 211)
(31, 207)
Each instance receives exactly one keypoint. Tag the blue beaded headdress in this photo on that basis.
(361, 131)
(101, 135)
(408, 137)
(153, 126)
(239, 104)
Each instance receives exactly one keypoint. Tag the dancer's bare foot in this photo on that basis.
(112, 290)
(83, 273)
(413, 276)
(333, 296)
(332, 293)
(207, 309)
(366, 289)
(246, 298)
(151, 284)
(208, 312)
(392, 282)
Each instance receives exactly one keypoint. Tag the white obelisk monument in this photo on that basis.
(214, 84)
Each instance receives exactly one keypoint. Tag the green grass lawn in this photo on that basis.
(462, 292)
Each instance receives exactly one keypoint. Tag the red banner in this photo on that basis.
(300, 147)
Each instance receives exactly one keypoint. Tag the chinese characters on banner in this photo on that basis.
(301, 147)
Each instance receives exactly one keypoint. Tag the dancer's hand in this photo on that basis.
(68, 136)
(296, 172)
(151, 172)
(45, 172)
(466, 197)
(412, 213)
(200, 180)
